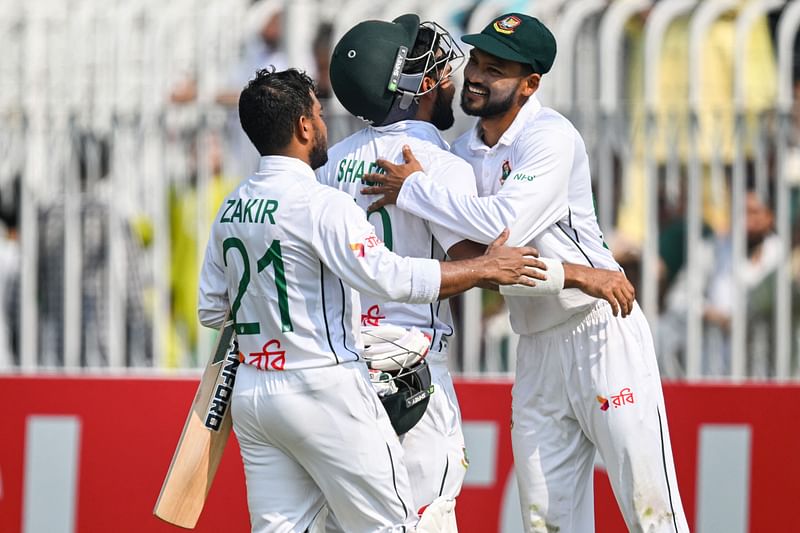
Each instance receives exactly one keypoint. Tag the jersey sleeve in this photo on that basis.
(454, 175)
(346, 243)
(533, 197)
(213, 302)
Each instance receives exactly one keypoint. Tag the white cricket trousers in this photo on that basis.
(435, 455)
(311, 436)
(593, 381)
(434, 448)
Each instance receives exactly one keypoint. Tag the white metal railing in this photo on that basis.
(705, 15)
(702, 15)
(85, 77)
(610, 39)
(655, 28)
(787, 34)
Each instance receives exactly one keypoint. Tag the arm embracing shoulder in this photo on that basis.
(454, 175)
(533, 196)
(347, 245)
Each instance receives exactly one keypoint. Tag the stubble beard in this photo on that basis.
(442, 116)
(319, 151)
(490, 108)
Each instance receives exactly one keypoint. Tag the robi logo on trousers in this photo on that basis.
(624, 397)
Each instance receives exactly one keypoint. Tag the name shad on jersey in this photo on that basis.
(351, 170)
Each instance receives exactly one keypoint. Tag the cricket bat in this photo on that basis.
(204, 436)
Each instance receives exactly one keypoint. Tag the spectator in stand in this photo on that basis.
(94, 155)
(758, 275)
(9, 275)
(186, 241)
(716, 120)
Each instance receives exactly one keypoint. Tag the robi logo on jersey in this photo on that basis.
(373, 316)
(267, 359)
(357, 248)
(370, 241)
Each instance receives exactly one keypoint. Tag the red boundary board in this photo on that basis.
(129, 428)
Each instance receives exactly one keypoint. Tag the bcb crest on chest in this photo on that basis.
(505, 172)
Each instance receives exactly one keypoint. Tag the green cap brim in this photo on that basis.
(496, 47)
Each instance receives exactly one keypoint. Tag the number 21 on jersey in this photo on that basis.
(271, 257)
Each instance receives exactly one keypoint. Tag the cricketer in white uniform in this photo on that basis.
(585, 379)
(287, 256)
(435, 453)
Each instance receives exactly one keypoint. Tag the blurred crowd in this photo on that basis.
(714, 144)
(213, 155)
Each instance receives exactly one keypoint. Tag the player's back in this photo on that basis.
(403, 233)
(290, 310)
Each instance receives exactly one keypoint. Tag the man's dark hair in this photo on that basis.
(271, 105)
(426, 37)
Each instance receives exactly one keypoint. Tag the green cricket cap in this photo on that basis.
(517, 37)
(366, 64)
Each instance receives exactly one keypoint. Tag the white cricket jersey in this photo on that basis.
(403, 233)
(536, 182)
(287, 255)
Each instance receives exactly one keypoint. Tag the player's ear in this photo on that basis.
(530, 84)
(426, 87)
(428, 83)
(304, 129)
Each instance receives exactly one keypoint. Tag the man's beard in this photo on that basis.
(319, 151)
(490, 108)
(442, 115)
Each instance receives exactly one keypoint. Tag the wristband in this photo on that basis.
(552, 285)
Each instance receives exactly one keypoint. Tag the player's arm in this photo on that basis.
(610, 285)
(346, 243)
(212, 304)
(532, 198)
(455, 174)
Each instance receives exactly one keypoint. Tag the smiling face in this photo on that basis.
(492, 85)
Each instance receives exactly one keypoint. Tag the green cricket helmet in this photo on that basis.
(399, 373)
(406, 406)
(370, 66)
